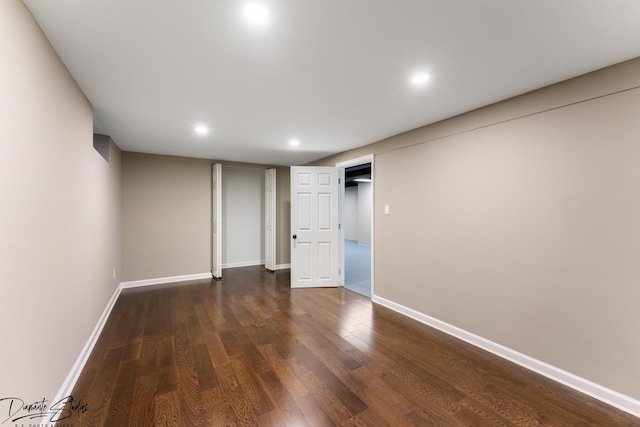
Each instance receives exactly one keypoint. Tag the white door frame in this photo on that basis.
(270, 235)
(369, 158)
(216, 220)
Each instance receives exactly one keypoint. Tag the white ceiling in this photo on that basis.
(335, 74)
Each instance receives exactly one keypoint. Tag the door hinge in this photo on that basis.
(339, 271)
(339, 226)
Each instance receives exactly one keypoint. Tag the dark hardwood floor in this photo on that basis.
(248, 350)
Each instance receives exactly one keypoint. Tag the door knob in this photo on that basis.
(295, 236)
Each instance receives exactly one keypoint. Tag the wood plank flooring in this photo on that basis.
(248, 350)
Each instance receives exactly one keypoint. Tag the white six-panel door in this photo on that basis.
(270, 219)
(216, 224)
(315, 234)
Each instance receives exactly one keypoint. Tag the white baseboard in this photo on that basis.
(76, 370)
(161, 280)
(604, 394)
(241, 264)
(253, 263)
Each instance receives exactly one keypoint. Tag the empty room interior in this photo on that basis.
(320, 213)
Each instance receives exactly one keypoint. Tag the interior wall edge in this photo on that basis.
(606, 81)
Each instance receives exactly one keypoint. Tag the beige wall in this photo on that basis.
(166, 215)
(60, 213)
(520, 223)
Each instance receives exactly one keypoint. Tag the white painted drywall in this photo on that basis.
(242, 215)
(350, 220)
(365, 200)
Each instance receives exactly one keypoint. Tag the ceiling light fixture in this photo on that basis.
(294, 142)
(420, 79)
(362, 180)
(201, 130)
(256, 13)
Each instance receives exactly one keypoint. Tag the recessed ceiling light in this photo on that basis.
(256, 13)
(201, 130)
(420, 79)
(294, 142)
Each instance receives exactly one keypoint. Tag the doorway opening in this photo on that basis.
(243, 217)
(357, 222)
